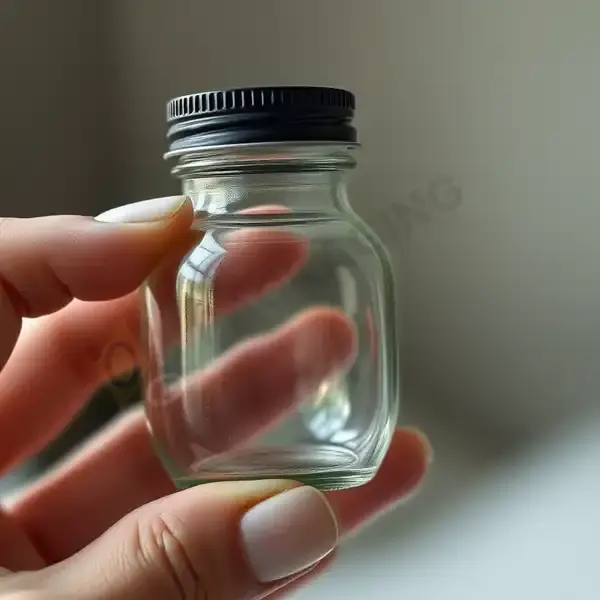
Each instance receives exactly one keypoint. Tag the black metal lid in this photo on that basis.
(261, 115)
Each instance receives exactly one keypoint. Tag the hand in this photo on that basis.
(108, 524)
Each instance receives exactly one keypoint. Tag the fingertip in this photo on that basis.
(400, 476)
(256, 261)
(340, 331)
(407, 460)
(325, 331)
(226, 540)
(288, 533)
(155, 210)
(120, 252)
(419, 441)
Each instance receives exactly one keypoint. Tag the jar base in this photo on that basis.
(325, 467)
(326, 482)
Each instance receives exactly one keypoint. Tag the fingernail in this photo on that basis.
(288, 533)
(147, 211)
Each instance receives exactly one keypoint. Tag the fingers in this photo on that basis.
(63, 358)
(16, 551)
(403, 470)
(251, 387)
(120, 472)
(224, 405)
(58, 363)
(232, 540)
(223, 272)
(228, 540)
(400, 476)
(256, 261)
(114, 474)
(46, 262)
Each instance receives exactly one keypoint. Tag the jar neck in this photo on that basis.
(303, 178)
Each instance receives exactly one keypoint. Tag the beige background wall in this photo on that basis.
(54, 155)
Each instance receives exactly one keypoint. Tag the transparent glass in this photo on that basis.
(270, 332)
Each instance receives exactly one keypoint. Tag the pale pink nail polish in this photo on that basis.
(288, 533)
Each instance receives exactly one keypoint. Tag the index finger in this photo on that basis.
(46, 262)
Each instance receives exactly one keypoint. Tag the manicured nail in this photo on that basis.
(288, 533)
(147, 211)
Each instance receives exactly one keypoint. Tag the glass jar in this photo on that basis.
(270, 332)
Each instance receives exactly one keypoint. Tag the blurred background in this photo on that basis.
(479, 121)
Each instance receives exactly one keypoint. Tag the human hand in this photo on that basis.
(108, 524)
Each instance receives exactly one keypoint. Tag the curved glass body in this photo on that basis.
(270, 332)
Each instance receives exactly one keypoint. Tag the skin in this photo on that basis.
(67, 297)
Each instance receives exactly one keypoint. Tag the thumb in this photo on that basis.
(222, 541)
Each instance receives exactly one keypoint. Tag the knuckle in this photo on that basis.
(93, 353)
(161, 549)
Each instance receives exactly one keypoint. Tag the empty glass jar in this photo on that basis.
(270, 329)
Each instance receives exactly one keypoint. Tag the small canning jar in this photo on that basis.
(270, 334)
